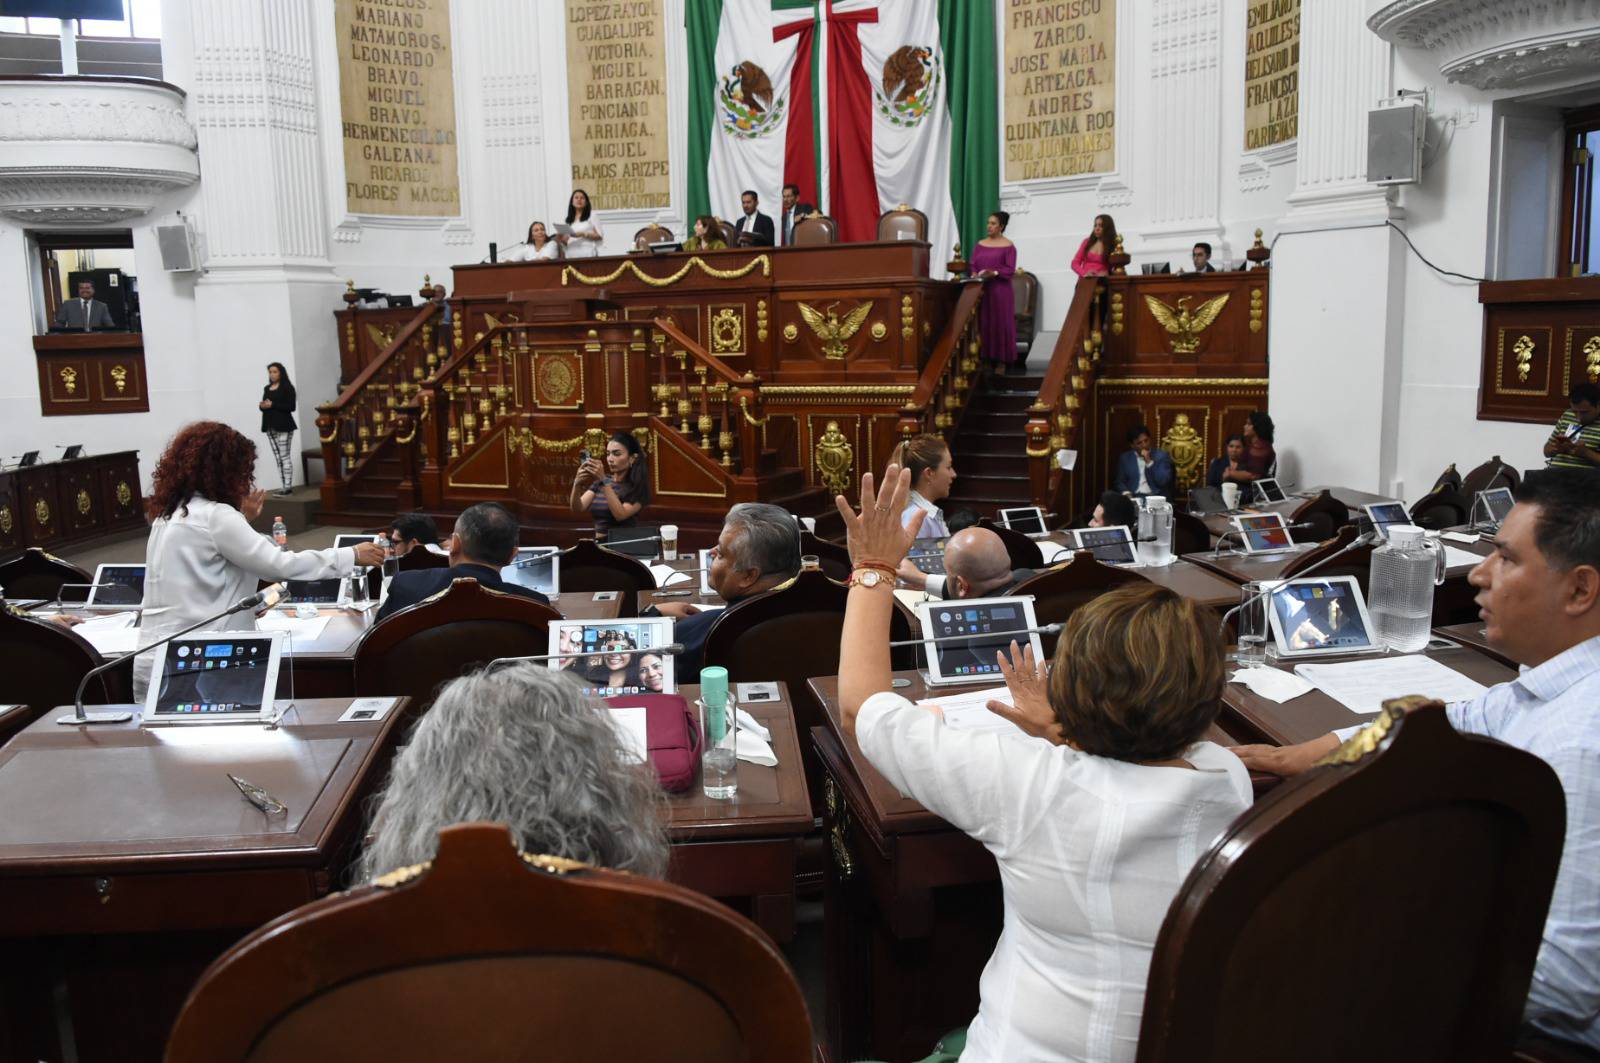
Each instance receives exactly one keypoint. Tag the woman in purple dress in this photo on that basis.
(994, 260)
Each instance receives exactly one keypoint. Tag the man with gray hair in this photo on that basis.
(976, 565)
(758, 549)
(484, 542)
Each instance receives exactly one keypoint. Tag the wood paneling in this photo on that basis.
(1540, 339)
(62, 502)
(91, 372)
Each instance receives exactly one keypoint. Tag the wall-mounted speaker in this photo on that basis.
(1394, 142)
(177, 248)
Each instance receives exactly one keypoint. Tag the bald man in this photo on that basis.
(976, 565)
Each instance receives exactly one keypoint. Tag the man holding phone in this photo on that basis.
(1575, 443)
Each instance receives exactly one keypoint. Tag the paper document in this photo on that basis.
(111, 634)
(1274, 684)
(630, 725)
(298, 629)
(968, 711)
(1454, 558)
(560, 228)
(1363, 686)
(667, 576)
(1054, 552)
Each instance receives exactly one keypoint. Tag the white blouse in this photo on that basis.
(1091, 853)
(586, 248)
(527, 253)
(199, 562)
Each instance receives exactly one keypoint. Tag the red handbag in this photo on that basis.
(672, 735)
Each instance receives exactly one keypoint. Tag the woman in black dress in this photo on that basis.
(277, 409)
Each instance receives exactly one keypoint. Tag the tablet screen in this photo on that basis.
(1264, 531)
(1321, 615)
(215, 674)
(313, 591)
(117, 585)
(1384, 514)
(1499, 501)
(928, 555)
(1113, 545)
(976, 630)
(1269, 491)
(1028, 520)
(607, 674)
(534, 567)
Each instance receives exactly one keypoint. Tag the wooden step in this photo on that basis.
(993, 485)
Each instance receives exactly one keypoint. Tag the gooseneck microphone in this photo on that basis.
(265, 598)
(1367, 539)
(984, 637)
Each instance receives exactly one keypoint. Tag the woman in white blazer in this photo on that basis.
(203, 555)
(586, 232)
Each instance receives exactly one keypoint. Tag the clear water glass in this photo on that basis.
(719, 765)
(1252, 624)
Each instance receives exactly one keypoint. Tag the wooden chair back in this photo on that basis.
(419, 558)
(730, 232)
(1449, 478)
(1357, 562)
(37, 574)
(903, 223)
(1492, 473)
(815, 230)
(414, 651)
(1023, 551)
(834, 559)
(1443, 507)
(1025, 289)
(43, 665)
(1324, 513)
(1189, 534)
(590, 567)
(651, 234)
(1060, 591)
(508, 951)
(1418, 876)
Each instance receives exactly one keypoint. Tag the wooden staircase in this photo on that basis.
(991, 469)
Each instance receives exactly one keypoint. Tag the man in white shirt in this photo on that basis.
(753, 227)
(1539, 595)
(85, 312)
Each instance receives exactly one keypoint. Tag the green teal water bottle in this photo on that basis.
(719, 768)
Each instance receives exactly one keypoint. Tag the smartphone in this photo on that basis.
(583, 455)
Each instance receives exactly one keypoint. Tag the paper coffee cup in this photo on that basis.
(1230, 495)
(669, 542)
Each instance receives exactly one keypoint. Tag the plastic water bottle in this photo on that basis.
(719, 765)
(1160, 546)
(280, 533)
(1404, 572)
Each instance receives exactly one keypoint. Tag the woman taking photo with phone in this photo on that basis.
(612, 492)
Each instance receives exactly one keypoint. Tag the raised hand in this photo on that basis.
(876, 534)
(1030, 708)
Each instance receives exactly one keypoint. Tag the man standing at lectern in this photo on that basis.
(85, 312)
(753, 228)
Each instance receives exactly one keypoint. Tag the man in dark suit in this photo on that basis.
(1201, 254)
(976, 565)
(755, 229)
(794, 212)
(484, 542)
(85, 312)
(758, 549)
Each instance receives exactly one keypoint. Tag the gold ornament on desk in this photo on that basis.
(1591, 359)
(1187, 449)
(1523, 350)
(1185, 325)
(69, 379)
(835, 459)
(832, 330)
(119, 378)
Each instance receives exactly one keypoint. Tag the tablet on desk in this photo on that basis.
(215, 677)
(606, 674)
(1495, 504)
(962, 636)
(30, 458)
(352, 540)
(1386, 514)
(333, 592)
(1263, 533)
(117, 585)
(1112, 545)
(642, 543)
(1029, 520)
(706, 590)
(1267, 490)
(928, 555)
(537, 568)
(1320, 617)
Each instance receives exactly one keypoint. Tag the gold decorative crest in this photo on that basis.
(554, 382)
(879, 330)
(124, 494)
(761, 320)
(85, 503)
(119, 377)
(727, 331)
(832, 330)
(1257, 309)
(1591, 359)
(835, 459)
(790, 332)
(69, 379)
(382, 337)
(1187, 449)
(41, 510)
(7, 521)
(1522, 350)
(1185, 325)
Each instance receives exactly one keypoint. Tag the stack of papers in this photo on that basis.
(969, 711)
(299, 629)
(1363, 686)
(1454, 558)
(111, 634)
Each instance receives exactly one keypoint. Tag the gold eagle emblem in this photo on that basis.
(1185, 326)
(831, 329)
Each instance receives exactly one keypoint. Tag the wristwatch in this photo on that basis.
(867, 577)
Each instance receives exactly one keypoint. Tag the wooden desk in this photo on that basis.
(1314, 714)
(116, 833)
(1218, 524)
(63, 502)
(91, 372)
(1472, 634)
(1182, 576)
(1242, 568)
(743, 851)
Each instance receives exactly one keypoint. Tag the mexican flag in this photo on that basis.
(865, 104)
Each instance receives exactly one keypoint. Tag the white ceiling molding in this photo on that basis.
(1493, 44)
(91, 150)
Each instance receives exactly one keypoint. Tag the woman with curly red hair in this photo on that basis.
(203, 555)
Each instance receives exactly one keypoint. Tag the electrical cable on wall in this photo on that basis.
(1373, 225)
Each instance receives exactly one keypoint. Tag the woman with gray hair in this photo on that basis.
(524, 747)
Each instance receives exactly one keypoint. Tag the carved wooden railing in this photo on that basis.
(940, 395)
(1056, 416)
(373, 407)
(725, 406)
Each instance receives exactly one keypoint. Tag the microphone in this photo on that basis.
(1366, 539)
(267, 597)
(671, 649)
(1216, 551)
(987, 636)
(59, 601)
(494, 251)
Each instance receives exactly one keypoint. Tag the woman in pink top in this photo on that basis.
(1090, 261)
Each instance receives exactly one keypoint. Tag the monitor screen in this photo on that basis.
(214, 674)
(1028, 520)
(1113, 545)
(987, 627)
(534, 567)
(1264, 531)
(1318, 614)
(609, 674)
